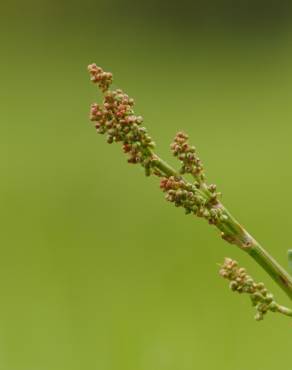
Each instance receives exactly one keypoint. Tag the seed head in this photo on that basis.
(187, 195)
(187, 154)
(241, 282)
(115, 117)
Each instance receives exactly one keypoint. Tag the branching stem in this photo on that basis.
(115, 117)
(234, 233)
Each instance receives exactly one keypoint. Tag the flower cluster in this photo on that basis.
(191, 164)
(98, 76)
(116, 118)
(187, 154)
(241, 282)
(188, 196)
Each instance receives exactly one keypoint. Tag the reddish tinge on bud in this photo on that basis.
(103, 79)
(163, 183)
(95, 112)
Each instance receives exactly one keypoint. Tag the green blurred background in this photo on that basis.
(97, 271)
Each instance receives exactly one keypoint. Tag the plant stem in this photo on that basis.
(284, 310)
(234, 233)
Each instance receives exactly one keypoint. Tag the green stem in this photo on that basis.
(164, 167)
(284, 310)
(272, 267)
(247, 243)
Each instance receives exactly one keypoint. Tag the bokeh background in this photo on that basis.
(97, 271)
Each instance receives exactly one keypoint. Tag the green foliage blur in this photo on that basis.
(97, 270)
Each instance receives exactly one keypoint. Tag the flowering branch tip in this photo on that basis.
(186, 187)
(241, 282)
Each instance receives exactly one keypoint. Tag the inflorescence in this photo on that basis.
(186, 195)
(116, 119)
(241, 282)
(187, 154)
(197, 197)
